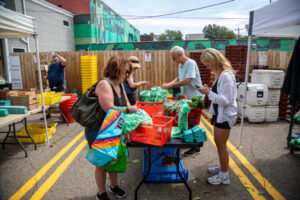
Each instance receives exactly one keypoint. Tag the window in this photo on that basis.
(17, 50)
(66, 23)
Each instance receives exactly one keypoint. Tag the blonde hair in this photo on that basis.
(218, 61)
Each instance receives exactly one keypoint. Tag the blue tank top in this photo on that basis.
(127, 88)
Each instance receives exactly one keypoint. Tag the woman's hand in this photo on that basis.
(204, 89)
(133, 109)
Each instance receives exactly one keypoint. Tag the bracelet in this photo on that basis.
(127, 109)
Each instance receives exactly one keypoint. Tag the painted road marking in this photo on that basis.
(39, 194)
(262, 180)
(33, 181)
(238, 172)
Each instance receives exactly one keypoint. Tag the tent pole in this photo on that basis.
(246, 83)
(41, 86)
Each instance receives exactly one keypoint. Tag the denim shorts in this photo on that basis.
(91, 134)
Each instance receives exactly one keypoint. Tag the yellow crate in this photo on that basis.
(38, 133)
(51, 98)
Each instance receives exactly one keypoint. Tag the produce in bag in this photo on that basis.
(184, 111)
(133, 120)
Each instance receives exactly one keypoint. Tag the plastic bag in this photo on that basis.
(183, 115)
(133, 120)
(120, 164)
(105, 147)
(176, 132)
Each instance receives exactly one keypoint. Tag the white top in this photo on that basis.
(226, 98)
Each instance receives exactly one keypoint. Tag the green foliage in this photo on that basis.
(214, 31)
(170, 35)
(197, 102)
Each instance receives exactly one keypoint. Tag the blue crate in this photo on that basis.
(3, 112)
(160, 173)
(5, 102)
(15, 109)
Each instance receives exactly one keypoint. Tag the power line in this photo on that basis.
(110, 17)
(184, 11)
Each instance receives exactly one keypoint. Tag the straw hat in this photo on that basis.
(134, 61)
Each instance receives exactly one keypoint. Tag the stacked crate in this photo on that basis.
(89, 75)
(237, 55)
(205, 73)
(24, 98)
(285, 108)
(44, 74)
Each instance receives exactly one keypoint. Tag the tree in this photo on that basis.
(214, 31)
(170, 35)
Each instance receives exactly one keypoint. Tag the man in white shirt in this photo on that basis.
(188, 79)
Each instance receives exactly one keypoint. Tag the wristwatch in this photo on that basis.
(127, 109)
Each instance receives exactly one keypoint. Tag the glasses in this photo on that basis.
(127, 72)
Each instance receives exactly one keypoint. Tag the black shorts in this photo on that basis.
(223, 125)
(57, 88)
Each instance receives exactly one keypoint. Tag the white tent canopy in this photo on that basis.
(15, 25)
(278, 19)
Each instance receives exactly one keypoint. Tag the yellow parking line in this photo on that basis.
(238, 172)
(32, 182)
(262, 180)
(58, 172)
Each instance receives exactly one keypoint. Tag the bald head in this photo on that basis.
(177, 50)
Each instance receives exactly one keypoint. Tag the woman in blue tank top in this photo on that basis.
(130, 83)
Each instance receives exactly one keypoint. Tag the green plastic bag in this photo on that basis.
(133, 120)
(118, 165)
(176, 132)
(184, 111)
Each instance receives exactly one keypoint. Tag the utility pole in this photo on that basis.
(238, 35)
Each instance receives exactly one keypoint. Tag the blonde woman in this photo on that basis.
(223, 108)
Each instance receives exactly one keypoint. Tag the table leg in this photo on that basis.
(25, 124)
(180, 175)
(147, 173)
(15, 136)
(62, 114)
(3, 143)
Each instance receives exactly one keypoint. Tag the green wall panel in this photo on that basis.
(265, 45)
(178, 43)
(193, 45)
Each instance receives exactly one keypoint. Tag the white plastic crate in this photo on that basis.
(272, 78)
(256, 94)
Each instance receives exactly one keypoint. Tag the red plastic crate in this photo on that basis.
(193, 117)
(153, 109)
(156, 134)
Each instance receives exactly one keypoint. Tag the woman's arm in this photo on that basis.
(134, 85)
(105, 95)
(226, 91)
(106, 98)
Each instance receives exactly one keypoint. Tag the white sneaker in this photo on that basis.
(218, 179)
(213, 170)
